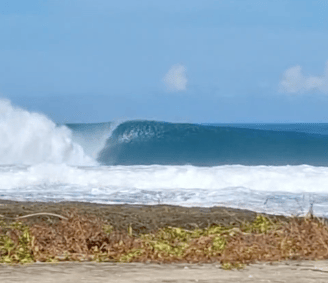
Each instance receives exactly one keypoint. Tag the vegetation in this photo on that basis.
(80, 238)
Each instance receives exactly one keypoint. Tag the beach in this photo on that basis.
(163, 141)
(144, 219)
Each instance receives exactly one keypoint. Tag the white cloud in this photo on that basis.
(175, 79)
(294, 81)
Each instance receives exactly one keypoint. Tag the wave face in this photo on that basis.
(31, 138)
(151, 142)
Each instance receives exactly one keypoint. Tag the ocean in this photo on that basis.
(271, 168)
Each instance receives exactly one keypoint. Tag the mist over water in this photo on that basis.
(92, 137)
(269, 168)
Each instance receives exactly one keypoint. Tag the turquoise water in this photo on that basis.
(152, 142)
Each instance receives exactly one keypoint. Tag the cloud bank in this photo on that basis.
(175, 79)
(293, 81)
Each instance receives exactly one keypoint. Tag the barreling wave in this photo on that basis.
(31, 138)
(151, 142)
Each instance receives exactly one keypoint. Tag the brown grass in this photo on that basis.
(90, 238)
(79, 238)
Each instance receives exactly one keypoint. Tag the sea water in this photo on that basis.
(272, 168)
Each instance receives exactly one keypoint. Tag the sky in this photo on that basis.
(237, 61)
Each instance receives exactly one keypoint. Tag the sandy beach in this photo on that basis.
(291, 271)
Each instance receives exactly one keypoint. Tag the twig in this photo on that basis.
(233, 216)
(34, 214)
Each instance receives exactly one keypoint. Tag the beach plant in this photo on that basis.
(15, 243)
(108, 228)
(261, 224)
(84, 237)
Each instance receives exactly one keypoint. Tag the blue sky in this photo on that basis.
(183, 61)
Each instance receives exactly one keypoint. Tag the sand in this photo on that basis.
(291, 272)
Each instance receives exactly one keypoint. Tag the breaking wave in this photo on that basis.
(32, 138)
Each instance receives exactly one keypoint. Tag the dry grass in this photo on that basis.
(78, 237)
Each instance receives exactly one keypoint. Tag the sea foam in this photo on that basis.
(32, 138)
(271, 189)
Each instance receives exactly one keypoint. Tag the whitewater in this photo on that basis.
(279, 169)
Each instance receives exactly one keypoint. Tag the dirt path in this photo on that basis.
(291, 272)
